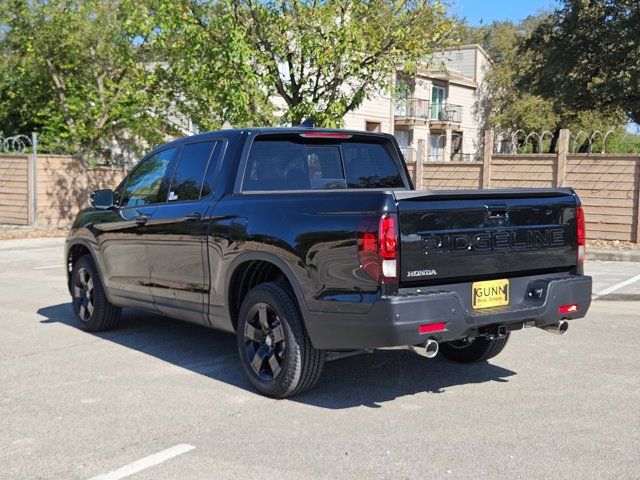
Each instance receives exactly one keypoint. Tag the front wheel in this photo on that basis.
(92, 310)
(275, 350)
(473, 350)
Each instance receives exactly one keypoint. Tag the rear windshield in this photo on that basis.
(288, 164)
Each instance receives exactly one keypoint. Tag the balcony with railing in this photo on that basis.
(445, 113)
(412, 111)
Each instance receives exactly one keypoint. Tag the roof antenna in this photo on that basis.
(309, 123)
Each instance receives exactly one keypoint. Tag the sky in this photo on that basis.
(479, 12)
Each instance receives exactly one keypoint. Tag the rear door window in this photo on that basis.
(283, 164)
(208, 184)
(194, 173)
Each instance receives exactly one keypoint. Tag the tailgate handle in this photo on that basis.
(496, 212)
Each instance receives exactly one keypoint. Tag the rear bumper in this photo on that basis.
(395, 320)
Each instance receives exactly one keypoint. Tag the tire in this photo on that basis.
(479, 350)
(92, 310)
(275, 350)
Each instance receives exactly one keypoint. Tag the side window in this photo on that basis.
(209, 183)
(143, 185)
(189, 177)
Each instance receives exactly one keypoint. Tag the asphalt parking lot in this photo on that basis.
(160, 399)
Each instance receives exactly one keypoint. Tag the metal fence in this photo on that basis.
(610, 141)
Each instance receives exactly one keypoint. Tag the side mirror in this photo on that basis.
(102, 199)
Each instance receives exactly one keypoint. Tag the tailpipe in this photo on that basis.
(558, 328)
(428, 349)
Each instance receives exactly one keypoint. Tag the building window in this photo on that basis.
(436, 147)
(456, 146)
(402, 136)
(437, 103)
(373, 126)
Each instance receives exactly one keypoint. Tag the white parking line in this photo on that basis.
(617, 286)
(146, 462)
(45, 267)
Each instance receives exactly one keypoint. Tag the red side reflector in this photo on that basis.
(325, 135)
(432, 327)
(573, 308)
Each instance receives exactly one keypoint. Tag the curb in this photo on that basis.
(613, 255)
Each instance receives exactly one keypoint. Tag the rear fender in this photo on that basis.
(278, 262)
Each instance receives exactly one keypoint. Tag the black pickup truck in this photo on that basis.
(310, 244)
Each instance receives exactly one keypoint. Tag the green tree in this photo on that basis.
(77, 72)
(511, 104)
(206, 63)
(506, 106)
(588, 53)
(321, 59)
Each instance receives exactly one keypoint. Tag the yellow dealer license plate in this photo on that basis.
(493, 293)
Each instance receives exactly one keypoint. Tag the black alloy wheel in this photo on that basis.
(91, 307)
(275, 350)
(264, 341)
(83, 294)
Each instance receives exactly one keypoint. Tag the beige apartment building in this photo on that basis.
(440, 117)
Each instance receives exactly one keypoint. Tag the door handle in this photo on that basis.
(141, 219)
(193, 217)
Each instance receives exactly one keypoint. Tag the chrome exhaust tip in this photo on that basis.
(428, 349)
(559, 328)
(431, 348)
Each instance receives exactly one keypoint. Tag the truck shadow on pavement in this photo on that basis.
(366, 380)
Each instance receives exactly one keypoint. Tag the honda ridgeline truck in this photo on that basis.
(305, 242)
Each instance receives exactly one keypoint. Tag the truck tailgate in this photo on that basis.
(474, 234)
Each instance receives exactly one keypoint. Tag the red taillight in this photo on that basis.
(581, 225)
(573, 308)
(388, 243)
(432, 327)
(581, 233)
(325, 135)
(378, 247)
(389, 247)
